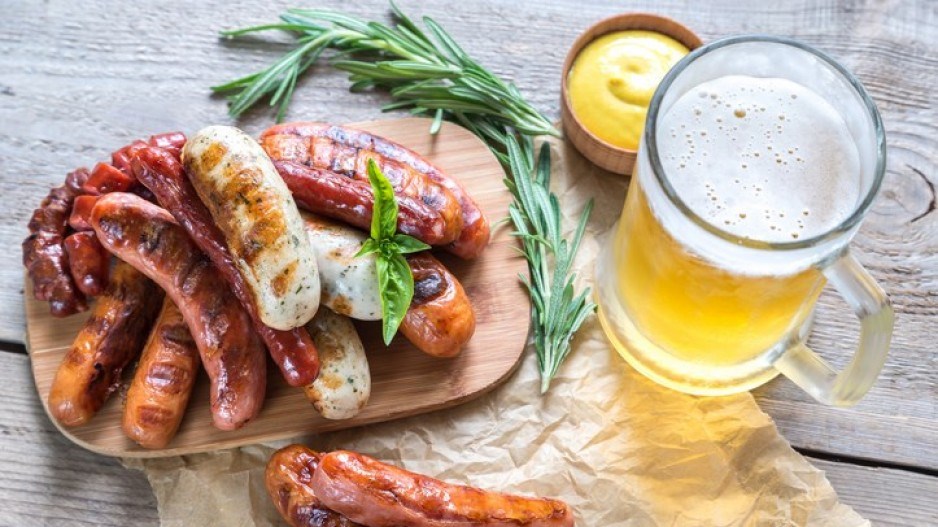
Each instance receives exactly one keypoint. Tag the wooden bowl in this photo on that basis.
(599, 152)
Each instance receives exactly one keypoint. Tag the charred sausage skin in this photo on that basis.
(112, 337)
(346, 151)
(160, 171)
(163, 381)
(147, 237)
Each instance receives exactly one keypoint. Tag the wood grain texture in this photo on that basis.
(404, 380)
(887, 497)
(47, 480)
(79, 79)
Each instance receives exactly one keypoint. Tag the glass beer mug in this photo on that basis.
(760, 158)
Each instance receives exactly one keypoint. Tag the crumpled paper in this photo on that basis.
(620, 449)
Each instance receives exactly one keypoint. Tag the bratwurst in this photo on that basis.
(375, 494)
(255, 212)
(440, 319)
(162, 173)
(146, 236)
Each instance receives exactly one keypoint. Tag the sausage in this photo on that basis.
(88, 262)
(146, 236)
(105, 178)
(44, 251)
(259, 221)
(287, 477)
(344, 383)
(111, 337)
(440, 319)
(80, 217)
(347, 151)
(376, 494)
(172, 142)
(352, 201)
(166, 373)
(349, 282)
(161, 172)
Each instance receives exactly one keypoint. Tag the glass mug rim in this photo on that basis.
(651, 129)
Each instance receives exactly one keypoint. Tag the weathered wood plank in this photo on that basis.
(69, 95)
(45, 479)
(886, 497)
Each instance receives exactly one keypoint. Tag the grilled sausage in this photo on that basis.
(162, 173)
(260, 222)
(88, 262)
(349, 282)
(44, 251)
(146, 236)
(287, 477)
(344, 383)
(346, 151)
(440, 319)
(112, 336)
(80, 217)
(166, 373)
(372, 493)
(352, 201)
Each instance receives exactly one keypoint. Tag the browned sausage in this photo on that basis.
(376, 494)
(112, 336)
(146, 236)
(440, 320)
(163, 381)
(44, 251)
(88, 262)
(105, 178)
(80, 217)
(346, 151)
(162, 173)
(288, 476)
(330, 194)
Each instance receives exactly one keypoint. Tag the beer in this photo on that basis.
(762, 159)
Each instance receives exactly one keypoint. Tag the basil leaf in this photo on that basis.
(384, 212)
(370, 246)
(408, 244)
(397, 291)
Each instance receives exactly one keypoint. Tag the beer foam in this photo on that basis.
(761, 158)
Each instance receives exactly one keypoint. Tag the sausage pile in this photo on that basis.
(197, 255)
(347, 489)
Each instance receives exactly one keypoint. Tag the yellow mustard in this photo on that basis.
(612, 81)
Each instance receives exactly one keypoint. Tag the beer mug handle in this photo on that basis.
(809, 371)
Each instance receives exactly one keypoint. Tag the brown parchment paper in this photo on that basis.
(621, 450)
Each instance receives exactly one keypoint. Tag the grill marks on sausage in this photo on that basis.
(233, 356)
(112, 336)
(331, 148)
(288, 477)
(164, 175)
(44, 252)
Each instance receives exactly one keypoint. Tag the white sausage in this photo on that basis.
(344, 381)
(349, 284)
(262, 227)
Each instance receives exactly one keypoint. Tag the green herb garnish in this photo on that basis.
(435, 77)
(395, 281)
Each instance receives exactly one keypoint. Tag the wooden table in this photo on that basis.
(78, 79)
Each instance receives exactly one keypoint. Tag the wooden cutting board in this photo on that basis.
(404, 381)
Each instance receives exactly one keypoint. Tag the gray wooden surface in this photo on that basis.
(78, 79)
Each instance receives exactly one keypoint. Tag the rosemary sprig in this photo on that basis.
(428, 73)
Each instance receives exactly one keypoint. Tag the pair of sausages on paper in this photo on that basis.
(144, 235)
